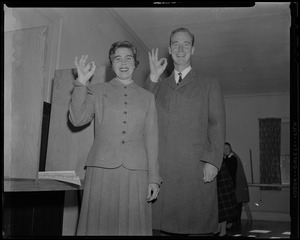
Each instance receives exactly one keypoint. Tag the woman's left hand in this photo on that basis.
(153, 190)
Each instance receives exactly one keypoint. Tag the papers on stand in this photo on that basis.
(64, 176)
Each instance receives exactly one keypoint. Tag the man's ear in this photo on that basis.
(170, 52)
(193, 49)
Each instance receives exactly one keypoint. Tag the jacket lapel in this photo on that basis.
(187, 79)
(172, 84)
(171, 81)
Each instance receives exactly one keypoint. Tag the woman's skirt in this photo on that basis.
(226, 196)
(114, 203)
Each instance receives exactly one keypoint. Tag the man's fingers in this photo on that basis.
(156, 54)
(163, 62)
(93, 66)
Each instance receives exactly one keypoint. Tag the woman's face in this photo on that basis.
(227, 150)
(123, 63)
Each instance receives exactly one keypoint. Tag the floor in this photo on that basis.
(255, 229)
(260, 229)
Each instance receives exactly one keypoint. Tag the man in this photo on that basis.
(191, 119)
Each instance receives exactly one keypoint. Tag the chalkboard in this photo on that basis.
(24, 76)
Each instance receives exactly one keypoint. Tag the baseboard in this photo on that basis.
(267, 216)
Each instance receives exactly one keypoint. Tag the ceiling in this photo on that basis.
(248, 49)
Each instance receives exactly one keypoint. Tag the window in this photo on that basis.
(285, 152)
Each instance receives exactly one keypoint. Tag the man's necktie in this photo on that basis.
(180, 78)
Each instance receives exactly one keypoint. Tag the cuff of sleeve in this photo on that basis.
(77, 83)
(155, 179)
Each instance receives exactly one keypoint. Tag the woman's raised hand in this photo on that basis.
(85, 72)
(157, 67)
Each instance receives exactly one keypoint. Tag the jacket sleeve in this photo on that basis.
(81, 107)
(213, 151)
(151, 141)
(151, 86)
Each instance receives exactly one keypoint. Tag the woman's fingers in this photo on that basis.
(76, 62)
(92, 67)
(81, 64)
(83, 60)
(153, 191)
(84, 71)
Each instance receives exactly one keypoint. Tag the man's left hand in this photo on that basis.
(210, 172)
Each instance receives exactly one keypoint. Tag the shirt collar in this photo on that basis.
(184, 72)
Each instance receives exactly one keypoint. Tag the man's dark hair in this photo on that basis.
(182, 30)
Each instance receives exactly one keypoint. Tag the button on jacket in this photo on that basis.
(126, 131)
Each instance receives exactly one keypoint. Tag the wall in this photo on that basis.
(92, 31)
(242, 131)
(24, 18)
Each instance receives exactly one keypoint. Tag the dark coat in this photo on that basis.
(191, 122)
(241, 188)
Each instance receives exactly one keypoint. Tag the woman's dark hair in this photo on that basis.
(227, 143)
(182, 30)
(123, 44)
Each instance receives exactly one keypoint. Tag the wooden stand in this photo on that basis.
(34, 207)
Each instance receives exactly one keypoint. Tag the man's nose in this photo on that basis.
(180, 48)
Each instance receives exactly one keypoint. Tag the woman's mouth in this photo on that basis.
(124, 69)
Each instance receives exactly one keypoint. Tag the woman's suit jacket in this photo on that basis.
(191, 120)
(126, 131)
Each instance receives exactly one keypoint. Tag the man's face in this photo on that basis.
(181, 49)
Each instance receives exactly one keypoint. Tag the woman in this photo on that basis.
(236, 170)
(226, 197)
(122, 172)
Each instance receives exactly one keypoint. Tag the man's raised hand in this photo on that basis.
(157, 66)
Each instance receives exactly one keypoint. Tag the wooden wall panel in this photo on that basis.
(68, 146)
(25, 53)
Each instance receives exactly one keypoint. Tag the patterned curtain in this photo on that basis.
(269, 146)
